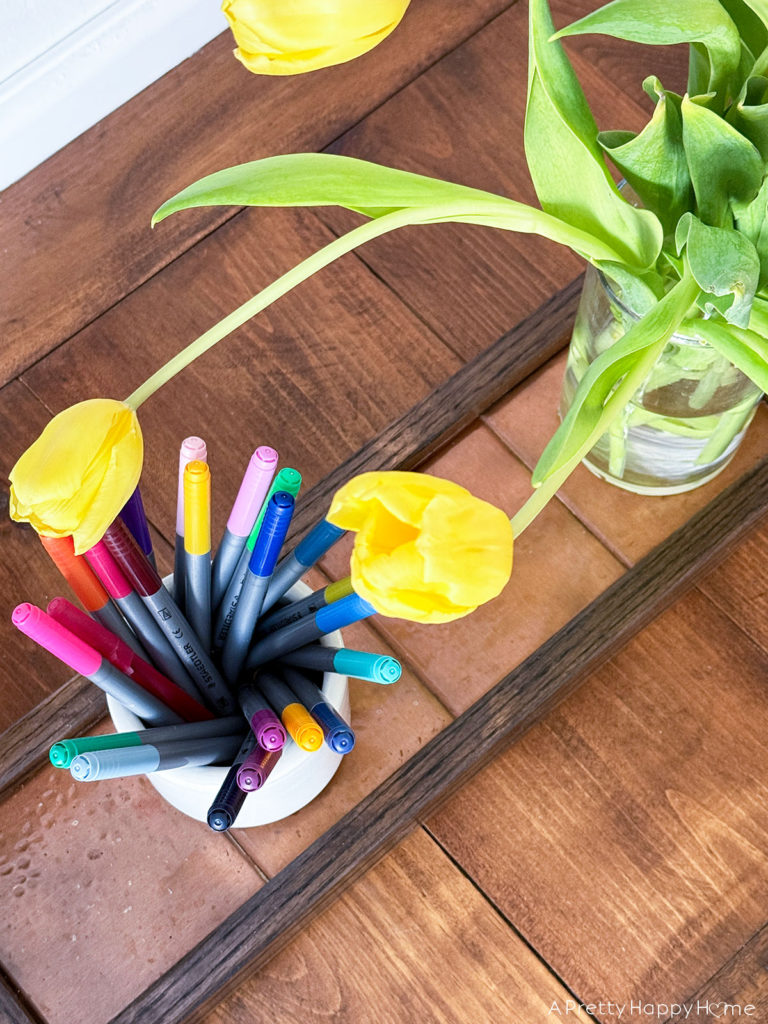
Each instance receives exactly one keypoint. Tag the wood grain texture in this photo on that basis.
(258, 928)
(739, 990)
(411, 940)
(75, 231)
(638, 859)
(13, 1007)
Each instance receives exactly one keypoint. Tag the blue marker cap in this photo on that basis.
(343, 612)
(274, 527)
(338, 735)
(317, 542)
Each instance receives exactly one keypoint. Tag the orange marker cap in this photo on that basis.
(301, 727)
(83, 581)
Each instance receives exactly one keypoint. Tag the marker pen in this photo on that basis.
(375, 668)
(191, 448)
(145, 581)
(82, 658)
(158, 648)
(334, 616)
(288, 480)
(256, 768)
(299, 724)
(123, 658)
(153, 757)
(63, 752)
(319, 539)
(135, 518)
(86, 587)
(250, 498)
(260, 568)
(294, 610)
(230, 798)
(197, 549)
(338, 734)
(266, 726)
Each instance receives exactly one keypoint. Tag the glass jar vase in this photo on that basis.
(683, 425)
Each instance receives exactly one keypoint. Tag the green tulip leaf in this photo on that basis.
(654, 161)
(751, 220)
(566, 163)
(747, 350)
(704, 23)
(725, 265)
(723, 165)
(749, 114)
(631, 358)
(750, 28)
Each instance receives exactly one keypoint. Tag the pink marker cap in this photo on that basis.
(253, 490)
(57, 639)
(192, 449)
(108, 571)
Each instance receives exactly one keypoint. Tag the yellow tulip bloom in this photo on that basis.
(426, 549)
(75, 478)
(289, 37)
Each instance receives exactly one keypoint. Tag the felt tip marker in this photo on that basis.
(197, 549)
(266, 726)
(319, 539)
(256, 768)
(135, 518)
(158, 648)
(149, 757)
(250, 498)
(63, 752)
(334, 616)
(375, 668)
(261, 565)
(299, 724)
(86, 587)
(288, 613)
(146, 582)
(123, 658)
(288, 480)
(192, 448)
(82, 658)
(230, 798)
(338, 733)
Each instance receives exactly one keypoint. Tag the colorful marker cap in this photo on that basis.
(302, 728)
(252, 492)
(197, 508)
(268, 730)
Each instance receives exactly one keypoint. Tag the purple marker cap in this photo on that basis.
(253, 490)
(268, 729)
(257, 768)
(192, 449)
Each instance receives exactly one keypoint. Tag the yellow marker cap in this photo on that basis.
(301, 726)
(197, 508)
(335, 591)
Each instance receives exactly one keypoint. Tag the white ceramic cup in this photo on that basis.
(298, 777)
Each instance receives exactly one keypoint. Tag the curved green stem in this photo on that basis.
(681, 296)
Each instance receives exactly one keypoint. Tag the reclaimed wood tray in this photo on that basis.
(267, 921)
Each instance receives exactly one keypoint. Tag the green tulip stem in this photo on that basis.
(338, 247)
(685, 292)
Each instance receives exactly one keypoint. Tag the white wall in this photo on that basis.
(65, 64)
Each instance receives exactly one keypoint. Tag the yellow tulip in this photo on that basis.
(75, 478)
(426, 549)
(289, 37)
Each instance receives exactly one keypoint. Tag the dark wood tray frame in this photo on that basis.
(267, 921)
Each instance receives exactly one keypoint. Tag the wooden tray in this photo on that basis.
(266, 922)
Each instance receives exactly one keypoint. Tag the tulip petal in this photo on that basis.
(426, 549)
(75, 478)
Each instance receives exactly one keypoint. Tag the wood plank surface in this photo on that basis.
(251, 936)
(411, 940)
(75, 232)
(638, 860)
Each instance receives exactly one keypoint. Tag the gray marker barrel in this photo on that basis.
(230, 798)
(290, 612)
(178, 589)
(241, 629)
(112, 620)
(319, 539)
(197, 595)
(160, 652)
(265, 723)
(146, 758)
(132, 696)
(226, 609)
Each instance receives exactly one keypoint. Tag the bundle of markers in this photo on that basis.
(219, 665)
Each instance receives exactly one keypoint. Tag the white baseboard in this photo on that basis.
(94, 70)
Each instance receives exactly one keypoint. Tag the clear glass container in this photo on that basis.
(683, 425)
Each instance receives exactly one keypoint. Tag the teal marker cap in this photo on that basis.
(64, 752)
(377, 668)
